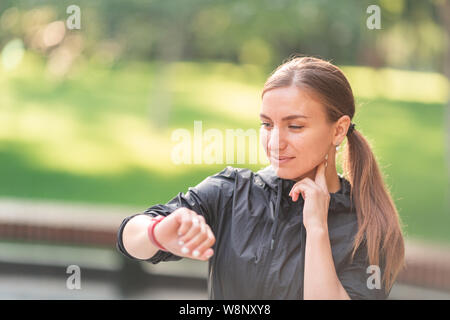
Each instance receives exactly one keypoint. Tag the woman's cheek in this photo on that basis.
(263, 136)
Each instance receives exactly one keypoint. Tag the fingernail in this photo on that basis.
(196, 253)
(181, 242)
(185, 250)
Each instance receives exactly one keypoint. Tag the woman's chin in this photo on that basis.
(288, 173)
(285, 173)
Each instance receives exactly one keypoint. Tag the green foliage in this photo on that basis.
(97, 135)
(263, 32)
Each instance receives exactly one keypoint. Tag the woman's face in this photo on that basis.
(294, 128)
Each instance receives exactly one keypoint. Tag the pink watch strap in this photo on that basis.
(151, 232)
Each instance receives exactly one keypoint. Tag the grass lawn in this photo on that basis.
(103, 135)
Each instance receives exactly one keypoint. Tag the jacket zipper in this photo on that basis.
(270, 252)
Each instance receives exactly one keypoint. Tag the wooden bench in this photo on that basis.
(84, 226)
(427, 265)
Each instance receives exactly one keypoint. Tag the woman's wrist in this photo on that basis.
(135, 237)
(317, 231)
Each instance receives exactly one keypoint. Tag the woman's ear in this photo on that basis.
(341, 128)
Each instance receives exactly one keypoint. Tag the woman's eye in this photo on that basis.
(266, 124)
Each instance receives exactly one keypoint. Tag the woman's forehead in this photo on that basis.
(288, 101)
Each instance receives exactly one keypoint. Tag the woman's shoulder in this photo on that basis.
(230, 172)
(222, 181)
(228, 179)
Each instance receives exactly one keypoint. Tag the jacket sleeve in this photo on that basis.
(208, 199)
(359, 280)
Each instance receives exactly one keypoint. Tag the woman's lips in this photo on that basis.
(282, 160)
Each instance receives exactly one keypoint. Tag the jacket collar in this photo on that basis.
(270, 178)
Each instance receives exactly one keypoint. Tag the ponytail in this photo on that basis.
(379, 224)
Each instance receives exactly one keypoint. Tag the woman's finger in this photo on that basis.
(195, 228)
(207, 243)
(320, 178)
(299, 187)
(303, 186)
(311, 184)
(207, 254)
(186, 223)
(196, 240)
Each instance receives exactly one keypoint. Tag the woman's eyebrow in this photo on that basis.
(294, 116)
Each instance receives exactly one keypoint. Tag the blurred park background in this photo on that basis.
(87, 114)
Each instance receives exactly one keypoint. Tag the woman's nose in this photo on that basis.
(276, 140)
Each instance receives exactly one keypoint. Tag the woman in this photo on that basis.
(296, 229)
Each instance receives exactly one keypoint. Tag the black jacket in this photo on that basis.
(260, 238)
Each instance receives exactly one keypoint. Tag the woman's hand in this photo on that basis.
(186, 234)
(317, 199)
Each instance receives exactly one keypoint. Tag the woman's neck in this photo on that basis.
(333, 181)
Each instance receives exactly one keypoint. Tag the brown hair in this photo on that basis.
(378, 220)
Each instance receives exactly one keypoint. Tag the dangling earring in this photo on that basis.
(326, 160)
(338, 147)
